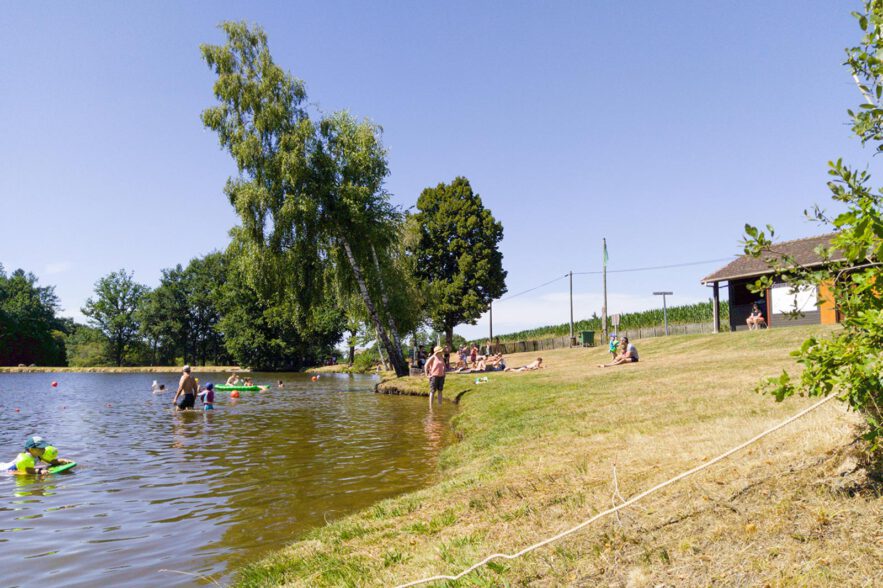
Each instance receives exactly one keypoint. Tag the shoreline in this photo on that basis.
(455, 387)
(209, 369)
(534, 456)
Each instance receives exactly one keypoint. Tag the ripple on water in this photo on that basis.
(199, 492)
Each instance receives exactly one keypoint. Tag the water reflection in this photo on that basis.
(197, 492)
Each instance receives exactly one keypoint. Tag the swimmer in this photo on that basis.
(158, 388)
(37, 450)
(233, 379)
(280, 384)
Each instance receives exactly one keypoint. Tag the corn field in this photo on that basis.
(677, 315)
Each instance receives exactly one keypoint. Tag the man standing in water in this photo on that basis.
(187, 386)
(435, 369)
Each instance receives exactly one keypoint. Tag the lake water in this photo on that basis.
(196, 492)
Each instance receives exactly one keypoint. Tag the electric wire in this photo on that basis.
(634, 269)
(654, 267)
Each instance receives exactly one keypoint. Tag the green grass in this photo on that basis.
(537, 456)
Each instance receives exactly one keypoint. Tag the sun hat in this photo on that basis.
(210, 386)
(186, 368)
(438, 349)
(36, 442)
(51, 453)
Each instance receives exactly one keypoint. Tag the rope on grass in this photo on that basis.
(624, 504)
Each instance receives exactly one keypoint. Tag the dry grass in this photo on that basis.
(537, 456)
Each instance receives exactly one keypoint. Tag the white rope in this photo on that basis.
(624, 504)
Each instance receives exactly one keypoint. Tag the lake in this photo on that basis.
(196, 492)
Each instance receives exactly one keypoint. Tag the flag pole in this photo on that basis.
(572, 340)
(604, 283)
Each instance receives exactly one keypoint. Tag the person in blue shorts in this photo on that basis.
(36, 450)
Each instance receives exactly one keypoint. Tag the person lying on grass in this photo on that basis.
(492, 364)
(628, 354)
(536, 364)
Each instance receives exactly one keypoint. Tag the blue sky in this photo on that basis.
(664, 126)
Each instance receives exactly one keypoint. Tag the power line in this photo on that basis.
(655, 267)
(534, 288)
(635, 269)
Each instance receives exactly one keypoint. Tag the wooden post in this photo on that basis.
(716, 306)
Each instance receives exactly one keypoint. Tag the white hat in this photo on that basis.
(186, 369)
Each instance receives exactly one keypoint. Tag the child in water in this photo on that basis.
(158, 388)
(37, 449)
(208, 397)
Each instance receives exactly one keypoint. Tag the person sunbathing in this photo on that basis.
(536, 364)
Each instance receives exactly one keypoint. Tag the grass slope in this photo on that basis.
(537, 456)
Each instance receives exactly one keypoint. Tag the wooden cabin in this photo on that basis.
(775, 303)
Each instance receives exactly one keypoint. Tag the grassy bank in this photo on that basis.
(538, 453)
(207, 369)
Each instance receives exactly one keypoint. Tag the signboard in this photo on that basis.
(614, 320)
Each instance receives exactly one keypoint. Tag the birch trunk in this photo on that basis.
(397, 363)
(385, 300)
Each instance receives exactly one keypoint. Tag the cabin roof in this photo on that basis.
(802, 250)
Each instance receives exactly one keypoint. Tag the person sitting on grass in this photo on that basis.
(628, 354)
(495, 363)
(536, 364)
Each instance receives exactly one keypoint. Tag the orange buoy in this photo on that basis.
(314, 378)
(234, 394)
(55, 384)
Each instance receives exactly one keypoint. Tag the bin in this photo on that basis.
(587, 338)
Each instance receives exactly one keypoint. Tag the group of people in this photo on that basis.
(622, 351)
(189, 390)
(235, 380)
(470, 362)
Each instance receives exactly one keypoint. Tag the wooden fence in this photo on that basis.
(632, 334)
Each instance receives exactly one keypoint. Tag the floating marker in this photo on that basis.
(55, 384)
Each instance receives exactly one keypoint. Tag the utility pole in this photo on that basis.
(490, 309)
(664, 310)
(604, 282)
(571, 307)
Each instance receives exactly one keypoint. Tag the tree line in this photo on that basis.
(320, 254)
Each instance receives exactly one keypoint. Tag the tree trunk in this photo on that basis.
(118, 351)
(385, 300)
(398, 363)
(380, 353)
(449, 342)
